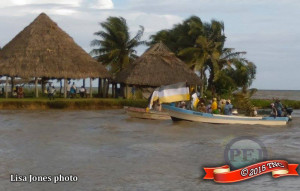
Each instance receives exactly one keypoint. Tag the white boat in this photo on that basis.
(143, 114)
(183, 114)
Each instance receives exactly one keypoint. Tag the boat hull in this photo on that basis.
(143, 114)
(182, 114)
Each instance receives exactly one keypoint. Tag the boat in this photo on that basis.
(189, 115)
(144, 114)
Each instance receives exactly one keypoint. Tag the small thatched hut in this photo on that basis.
(43, 50)
(156, 67)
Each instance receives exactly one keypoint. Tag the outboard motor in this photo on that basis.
(289, 112)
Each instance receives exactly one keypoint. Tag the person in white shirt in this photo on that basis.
(82, 92)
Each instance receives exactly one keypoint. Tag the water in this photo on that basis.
(281, 94)
(109, 151)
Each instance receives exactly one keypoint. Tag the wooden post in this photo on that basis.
(116, 90)
(126, 91)
(6, 87)
(113, 90)
(122, 86)
(83, 82)
(43, 85)
(36, 88)
(60, 88)
(104, 88)
(65, 87)
(100, 87)
(91, 88)
(107, 88)
(12, 86)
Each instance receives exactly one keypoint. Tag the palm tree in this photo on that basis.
(207, 50)
(181, 36)
(201, 46)
(116, 48)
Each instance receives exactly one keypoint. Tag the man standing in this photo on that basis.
(68, 89)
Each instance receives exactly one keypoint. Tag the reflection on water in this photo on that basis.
(109, 151)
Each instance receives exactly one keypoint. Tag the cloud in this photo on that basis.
(97, 4)
(7, 3)
(102, 4)
(267, 29)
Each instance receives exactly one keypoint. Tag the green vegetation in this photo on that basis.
(60, 103)
(264, 104)
(116, 48)
(201, 46)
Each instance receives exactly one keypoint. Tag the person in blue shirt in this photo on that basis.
(278, 107)
(228, 108)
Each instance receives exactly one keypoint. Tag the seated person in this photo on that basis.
(182, 104)
(202, 108)
(20, 93)
(273, 110)
(157, 106)
(51, 92)
(82, 92)
(228, 108)
(214, 106)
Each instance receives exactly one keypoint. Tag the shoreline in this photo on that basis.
(68, 104)
(102, 103)
(265, 103)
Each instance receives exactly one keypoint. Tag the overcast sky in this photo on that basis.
(268, 30)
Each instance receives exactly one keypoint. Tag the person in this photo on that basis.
(254, 112)
(68, 89)
(20, 93)
(182, 104)
(73, 90)
(202, 108)
(273, 110)
(48, 88)
(51, 91)
(208, 107)
(278, 107)
(195, 100)
(221, 105)
(133, 92)
(157, 106)
(82, 92)
(228, 108)
(14, 93)
(214, 106)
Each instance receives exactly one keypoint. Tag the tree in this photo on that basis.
(181, 36)
(239, 74)
(116, 48)
(205, 53)
(201, 46)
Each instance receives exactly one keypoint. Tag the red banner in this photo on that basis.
(278, 168)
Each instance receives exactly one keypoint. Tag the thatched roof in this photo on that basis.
(20, 81)
(157, 66)
(42, 49)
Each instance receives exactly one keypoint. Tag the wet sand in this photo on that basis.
(109, 151)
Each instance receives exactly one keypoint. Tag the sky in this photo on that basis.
(268, 30)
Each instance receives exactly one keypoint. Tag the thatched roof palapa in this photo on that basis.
(42, 49)
(157, 66)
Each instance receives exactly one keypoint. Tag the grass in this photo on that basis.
(264, 104)
(103, 103)
(61, 103)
